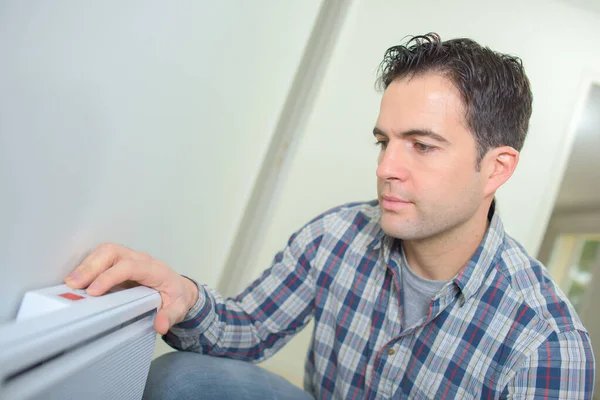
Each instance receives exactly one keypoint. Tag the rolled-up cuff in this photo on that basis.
(199, 310)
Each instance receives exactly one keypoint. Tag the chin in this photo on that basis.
(394, 228)
(405, 228)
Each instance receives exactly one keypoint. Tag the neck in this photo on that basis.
(441, 257)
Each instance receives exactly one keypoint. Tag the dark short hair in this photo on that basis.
(494, 87)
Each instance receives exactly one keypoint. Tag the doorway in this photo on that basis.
(571, 246)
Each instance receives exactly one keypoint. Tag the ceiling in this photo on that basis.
(580, 188)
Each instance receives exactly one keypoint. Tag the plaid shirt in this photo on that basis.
(500, 328)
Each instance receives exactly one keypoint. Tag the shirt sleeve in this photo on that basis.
(259, 321)
(561, 368)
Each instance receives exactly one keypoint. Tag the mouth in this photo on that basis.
(393, 203)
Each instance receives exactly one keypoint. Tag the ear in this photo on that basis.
(497, 166)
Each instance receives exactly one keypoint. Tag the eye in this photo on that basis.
(423, 148)
(381, 144)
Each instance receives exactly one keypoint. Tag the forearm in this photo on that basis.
(236, 328)
(258, 322)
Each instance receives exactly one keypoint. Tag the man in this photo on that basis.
(420, 294)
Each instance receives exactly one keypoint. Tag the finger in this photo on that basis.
(101, 259)
(168, 316)
(162, 323)
(149, 273)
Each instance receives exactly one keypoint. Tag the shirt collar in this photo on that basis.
(471, 276)
(379, 234)
(379, 237)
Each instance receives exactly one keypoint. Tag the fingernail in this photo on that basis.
(74, 276)
(94, 286)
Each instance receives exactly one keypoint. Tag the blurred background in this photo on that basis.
(205, 133)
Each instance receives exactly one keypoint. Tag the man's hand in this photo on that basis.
(110, 265)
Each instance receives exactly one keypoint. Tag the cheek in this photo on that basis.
(443, 182)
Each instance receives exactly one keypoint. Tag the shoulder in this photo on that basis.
(365, 209)
(357, 215)
(350, 223)
(531, 284)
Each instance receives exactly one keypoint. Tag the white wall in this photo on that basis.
(335, 161)
(137, 122)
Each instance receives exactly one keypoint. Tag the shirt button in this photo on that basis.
(391, 351)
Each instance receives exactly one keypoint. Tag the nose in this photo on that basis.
(392, 164)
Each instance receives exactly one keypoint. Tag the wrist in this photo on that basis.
(191, 291)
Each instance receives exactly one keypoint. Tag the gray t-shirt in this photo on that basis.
(417, 293)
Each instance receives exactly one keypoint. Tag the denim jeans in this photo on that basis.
(184, 375)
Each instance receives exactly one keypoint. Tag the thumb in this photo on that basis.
(163, 320)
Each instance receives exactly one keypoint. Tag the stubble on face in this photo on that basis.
(423, 194)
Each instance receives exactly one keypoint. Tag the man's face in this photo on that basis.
(427, 180)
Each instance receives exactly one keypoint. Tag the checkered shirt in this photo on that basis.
(500, 328)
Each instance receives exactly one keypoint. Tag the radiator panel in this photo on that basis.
(113, 367)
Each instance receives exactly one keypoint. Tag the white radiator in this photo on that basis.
(67, 345)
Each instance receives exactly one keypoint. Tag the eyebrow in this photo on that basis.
(414, 132)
